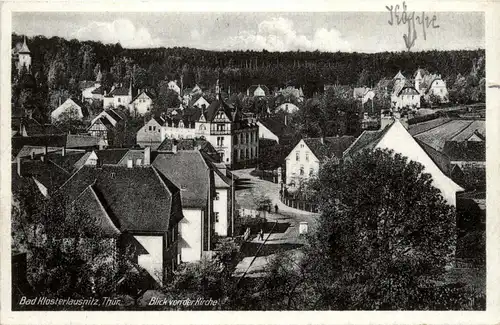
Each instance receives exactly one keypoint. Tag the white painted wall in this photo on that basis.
(68, 106)
(398, 139)
(190, 230)
(149, 134)
(265, 133)
(87, 92)
(141, 105)
(152, 262)
(307, 160)
(220, 207)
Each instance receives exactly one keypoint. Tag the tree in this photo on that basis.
(384, 229)
(166, 98)
(70, 122)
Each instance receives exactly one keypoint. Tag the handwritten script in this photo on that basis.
(399, 16)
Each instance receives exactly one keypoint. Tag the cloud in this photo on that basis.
(120, 30)
(279, 34)
(195, 35)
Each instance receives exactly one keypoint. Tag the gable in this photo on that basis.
(221, 116)
(397, 138)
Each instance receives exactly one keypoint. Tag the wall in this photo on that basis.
(293, 166)
(141, 104)
(264, 133)
(146, 137)
(176, 133)
(190, 235)
(152, 262)
(398, 139)
(221, 207)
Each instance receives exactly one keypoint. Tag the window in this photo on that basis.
(119, 100)
(301, 171)
(297, 157)
(216, 216)
(302, 145)
(217, 196)
(311, 172)
(220, 127)
(154, 128)
(236, 139)
(307, 156)
(202, 127)
(150, 128)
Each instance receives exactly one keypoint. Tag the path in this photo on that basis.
(285, 235)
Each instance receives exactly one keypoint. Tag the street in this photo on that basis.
(284, 235)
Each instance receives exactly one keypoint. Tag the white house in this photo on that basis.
(201, 102)
(173, 86)
(118, 96)
(396, 137)
(405, 94)
(273, 128)
(70, 108)
(150, 133)
(142, 103)
(222, 201)
(305, 158)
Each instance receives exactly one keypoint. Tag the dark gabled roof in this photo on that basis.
(114, 114)
(146, 92)
(119, 91)
(89, 202)
(193, 180)
(137, 199)
(439, 158)
(216, 106)
(160, 120)
(367, 140)
(104, 120)
(111, 156)
(98, 91)
(86, 84)
(276, 126)
(186, 144)
(45, 172)
(82, 141)
(331, 146)
(66, 162)
(465, 150)
(19, 142)
(85, 111)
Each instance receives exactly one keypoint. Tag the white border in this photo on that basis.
(492, 38)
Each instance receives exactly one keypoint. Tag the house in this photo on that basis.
(119, 95)
(274, 128)
(431, 84)
(138, 204)
(71, 108)
(287, 107)
(397, 138)
(172, 85)
(21, 55)
(404, 93)
(196, 229)
(141, 103)
(188, 93)
(258, 91)
(305, 158)
(92, 90)
(363, 94)
(233, 136)
(103, 123)
(150, 133)
(200, 103)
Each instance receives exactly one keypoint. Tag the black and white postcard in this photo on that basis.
(237, 158)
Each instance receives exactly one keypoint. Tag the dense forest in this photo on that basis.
(64, 63)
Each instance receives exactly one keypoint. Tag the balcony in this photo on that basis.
(220, 132)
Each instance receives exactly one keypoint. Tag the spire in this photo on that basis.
(217, 90)
(24, 47)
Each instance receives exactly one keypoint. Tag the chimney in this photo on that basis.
(286, 119)
(32, 155)
(45, 150)
(147, 156)
(42, 158)
(59, 100)
(130, 164)
(174, 148)
(105, 93)
(322, 139)
(63, 151)
(19, 165)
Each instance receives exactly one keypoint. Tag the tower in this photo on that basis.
(418, 80)
(217, 90)
(24, 56)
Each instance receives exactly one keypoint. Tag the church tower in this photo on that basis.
(24, 56)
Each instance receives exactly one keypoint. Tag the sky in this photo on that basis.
(273, 31)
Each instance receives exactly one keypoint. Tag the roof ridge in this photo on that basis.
(352, 144)
(462, 130)
(446, 120)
